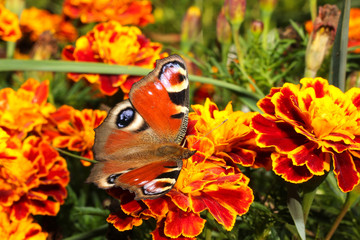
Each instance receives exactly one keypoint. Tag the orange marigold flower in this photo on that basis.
(24, 229)
(311, 127)
(206, 182)
(113, 43)
(354, 31)
(36, 21)
(126, 12)
(233, 140)
(33, 181)
(9, 22)
(74, 129)
(26, 109)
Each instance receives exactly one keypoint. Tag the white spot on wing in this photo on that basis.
(151, 189)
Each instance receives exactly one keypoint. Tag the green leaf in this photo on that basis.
(100, 231)
(339, 53)
(296, 210)
(102, 68)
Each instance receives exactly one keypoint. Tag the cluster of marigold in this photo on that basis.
(33, 175)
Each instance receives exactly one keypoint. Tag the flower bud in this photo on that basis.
(235, 11)
(322, 38)
(257, 27)
(223, 28)
(190, 27)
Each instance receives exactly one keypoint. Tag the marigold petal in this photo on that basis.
(179, 199)
(241, 156)
(123, 222)
(158, 207)
(222, 215)
(158, 233)
(345, 171)
(132, 208)
(309, 154)
(179, 223)
(276, 134)
(265, 103)
(284, 167)
(286, 105)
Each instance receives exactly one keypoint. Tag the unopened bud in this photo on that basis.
(190, 26)
(235, 11)
(257, 27)
(223, 28)
(322, 38)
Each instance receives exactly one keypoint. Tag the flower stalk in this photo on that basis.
(351, 198)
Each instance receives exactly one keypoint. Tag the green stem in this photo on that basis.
(208, 234)
(266, 16)
(236, 37)
(10, 49)
(75, 156)
(313, 9)
(224, 53)
(350, 199)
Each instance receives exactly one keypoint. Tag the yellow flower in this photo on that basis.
(112, 43)
(9, 22)
(36, 21)
(126, 12)
(17, 230)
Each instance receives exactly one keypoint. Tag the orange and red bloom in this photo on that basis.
(207, 181)
(311, 128)
(126, 12)
(9, 25)
(35, 21)
(74, 129)
(33, 176)
(113, 43)
(25, 229)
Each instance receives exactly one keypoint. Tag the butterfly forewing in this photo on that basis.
(166, 94)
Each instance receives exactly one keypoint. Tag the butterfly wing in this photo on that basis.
(137, 144)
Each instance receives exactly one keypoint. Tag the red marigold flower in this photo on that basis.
(232, 140)
(74, 129)
(36, 21)
(126, 12)
(33, 181)
(113, 43)
(24, 229)
(26, 109)
(310, 128)
(206, 182)
(9, 22)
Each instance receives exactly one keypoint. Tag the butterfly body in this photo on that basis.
(137, 145)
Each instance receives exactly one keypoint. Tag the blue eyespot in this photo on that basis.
(125, 117)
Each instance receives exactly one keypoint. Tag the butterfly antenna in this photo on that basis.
(209, 132)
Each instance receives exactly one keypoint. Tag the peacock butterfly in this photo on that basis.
(138, 144)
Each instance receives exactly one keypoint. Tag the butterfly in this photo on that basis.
(138, 144)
